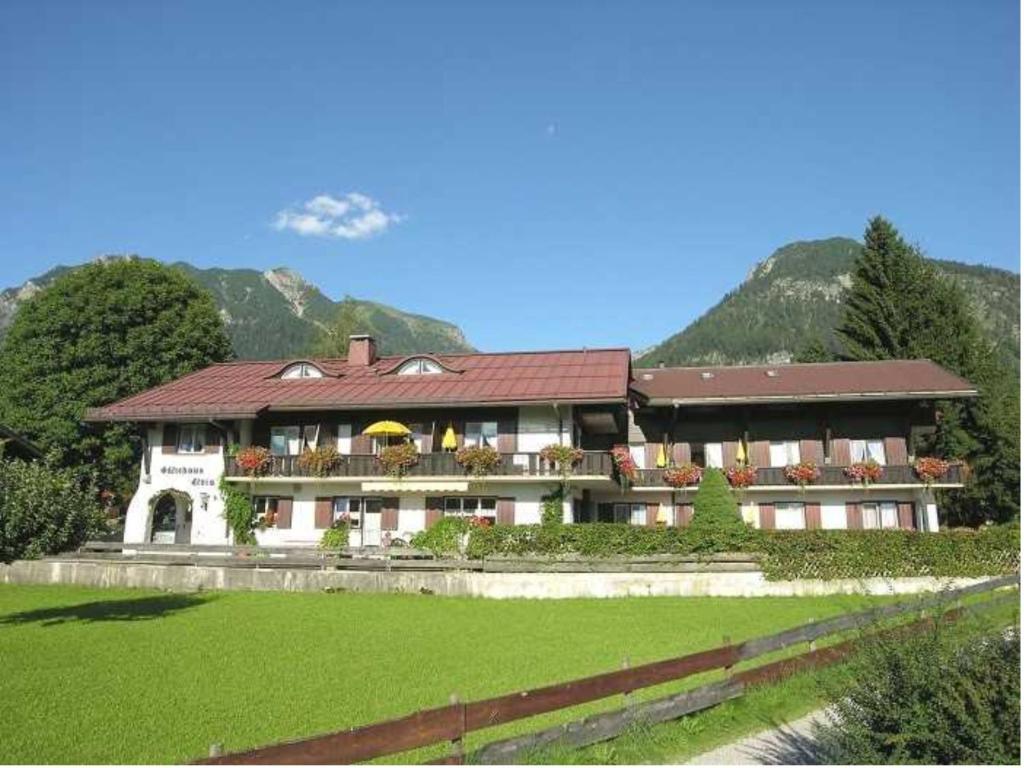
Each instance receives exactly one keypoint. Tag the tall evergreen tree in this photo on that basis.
(96, 334)
(899, 307)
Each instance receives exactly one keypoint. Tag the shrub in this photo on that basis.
(714, 506)
(478, 460)
(239, 513)
(44, 510)
(397, 459)
(934, 698)
(253, 460)
(445, 536)
(551, 508)
(336, 537)
(319, 461)
(892, 553)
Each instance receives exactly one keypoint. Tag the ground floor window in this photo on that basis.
(471, 506)
(790, 516)
(880, 514)
(355, 507)
(266, 508)
(621, 512)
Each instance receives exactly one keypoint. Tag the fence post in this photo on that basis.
(456, 743)
(812, 644)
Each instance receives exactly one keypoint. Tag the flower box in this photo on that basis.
(864, 472)
(680, 477)
(741, 476)
(803, 473)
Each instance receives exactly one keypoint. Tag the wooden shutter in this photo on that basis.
(211, 441)
(507, 438)
(895, 451)
(652, 514)
(854, 515)
(905, 510)
(323, 513)
(812, 515)
(651, 455)
(506, 511)
(760, 454)
(729, 451)
(434, 510)
(389, 513)
(812, 450)
(681, 454)
(284, 513)
(841, 452)
(170, 439)
(684, 515)
(767, 513)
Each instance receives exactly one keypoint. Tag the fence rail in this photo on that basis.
(452, 722)
(892, 474)
(593, 464)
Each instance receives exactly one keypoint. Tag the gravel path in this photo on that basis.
(786, 744)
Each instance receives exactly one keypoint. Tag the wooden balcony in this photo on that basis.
(594, 464)
(892, 474)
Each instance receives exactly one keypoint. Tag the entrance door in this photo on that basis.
(164, 520)
(371, 523)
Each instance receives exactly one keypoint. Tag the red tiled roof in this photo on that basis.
(243, 389)
(806, 381)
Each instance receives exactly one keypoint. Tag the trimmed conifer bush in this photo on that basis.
(714, 506)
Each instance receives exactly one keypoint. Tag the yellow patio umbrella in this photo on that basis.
(448, 442)
(662, 460)
(741, 453)
(387, 429)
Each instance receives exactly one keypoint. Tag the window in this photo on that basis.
(265, 506)
(345, 439)
(638, 514)
(418, 366)
(471, 506)
(284, 441)
(862, 450)
(789, 516)
(639, 454)
(191, 438)
(310, 436)
(713, 455)
(481, 433)
(302, 371)
(355, 507)
(880, 514)
(784, 452)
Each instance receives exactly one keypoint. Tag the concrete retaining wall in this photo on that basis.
(492, 585)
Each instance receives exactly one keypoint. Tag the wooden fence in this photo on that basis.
(450, 724)
(398, 559)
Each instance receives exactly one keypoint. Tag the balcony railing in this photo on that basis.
(594, 464)
(892, 474)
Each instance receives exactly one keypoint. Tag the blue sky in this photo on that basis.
(543, 174)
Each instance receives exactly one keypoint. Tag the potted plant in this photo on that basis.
(741, 475)
(319, 461)
(864, 472)
(562, 457)
(253, 460)
(625, 467)
(930, 468)
(684, 475)
(803, 473)
(397, 459)
(478, 460)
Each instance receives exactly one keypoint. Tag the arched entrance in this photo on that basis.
(171, 518)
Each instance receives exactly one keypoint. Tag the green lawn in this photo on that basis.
(100, 676)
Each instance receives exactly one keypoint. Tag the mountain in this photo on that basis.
(794, 296)
(277, 314)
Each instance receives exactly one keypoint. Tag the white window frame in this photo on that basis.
(477, 434)
(419, 367)
(471, 506)
(191, 438)
(714, 455)
(782, 453)
(793, 516)
(880, 515)
(869, 448)
(302, 371)
(292, 435)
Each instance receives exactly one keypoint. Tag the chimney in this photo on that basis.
(362, 350)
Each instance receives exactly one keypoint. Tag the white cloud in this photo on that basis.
(353, 216)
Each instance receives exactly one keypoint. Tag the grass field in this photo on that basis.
(135, 676)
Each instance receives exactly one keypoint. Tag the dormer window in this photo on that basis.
(419, 366)
(302, 371)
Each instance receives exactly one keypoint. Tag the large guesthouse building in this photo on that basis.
(632, 429)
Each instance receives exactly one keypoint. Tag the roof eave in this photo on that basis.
(826, 397)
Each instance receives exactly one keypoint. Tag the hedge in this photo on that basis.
(783, 554)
